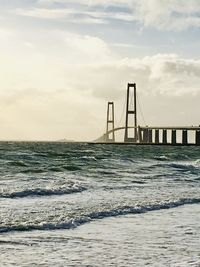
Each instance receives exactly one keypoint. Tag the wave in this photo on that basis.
(9, 242)
(88, 158)
(32, 171)
(191, 166)
(162, 158)
(72, 168)
(43, 192)
(60, 168)
(17, 163)
(96, 215)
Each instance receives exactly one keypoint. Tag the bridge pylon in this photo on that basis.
(133, 112)
(110, 125)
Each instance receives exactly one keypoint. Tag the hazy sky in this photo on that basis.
(61, 61)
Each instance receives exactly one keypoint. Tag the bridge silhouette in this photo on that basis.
(149, 135)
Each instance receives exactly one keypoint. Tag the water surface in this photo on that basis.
(99, 205)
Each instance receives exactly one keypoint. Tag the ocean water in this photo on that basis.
(82, 204)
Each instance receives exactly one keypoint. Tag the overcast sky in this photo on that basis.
(61, 61)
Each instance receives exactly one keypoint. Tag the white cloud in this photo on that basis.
(6, 34)
(160, 74)
(161, 14)
(45, 13)
(86, 48)
(78, 15)
(167, 14)
(67, 14)
(89, 2)
(25, 65)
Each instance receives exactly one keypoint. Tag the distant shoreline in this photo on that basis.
(98, 143)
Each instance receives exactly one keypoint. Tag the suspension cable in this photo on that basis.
(140, 109)
(123, 112)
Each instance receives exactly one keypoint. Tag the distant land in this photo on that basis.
(65, 140)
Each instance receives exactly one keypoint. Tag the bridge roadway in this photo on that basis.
(190, 128)
(103, 138)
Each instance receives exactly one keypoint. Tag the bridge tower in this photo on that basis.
(132, 112)
(110, 125)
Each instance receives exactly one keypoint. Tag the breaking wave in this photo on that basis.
(82, 219)
(42, 192)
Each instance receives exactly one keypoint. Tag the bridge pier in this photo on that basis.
(197, 137)
(173, 139)
(110, 122)
(164, 137)
(184, 137)
(157, 139)
(145, 136)
(140, 137)
(129, 112)
(150, 135)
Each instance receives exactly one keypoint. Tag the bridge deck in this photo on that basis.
(141, 144)
(146, 137)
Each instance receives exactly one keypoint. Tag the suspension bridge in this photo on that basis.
(140, 135)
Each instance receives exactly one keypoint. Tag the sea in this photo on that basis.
(80, 204)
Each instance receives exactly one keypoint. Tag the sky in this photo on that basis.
(61, 62)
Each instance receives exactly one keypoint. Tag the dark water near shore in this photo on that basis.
(98, 205)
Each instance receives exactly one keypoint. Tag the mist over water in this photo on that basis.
(99, 205)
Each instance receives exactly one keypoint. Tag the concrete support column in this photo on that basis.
(164, 137)
(197, 137)
(139, 134)
(173, 141)
(145, 136)
(150, 136)
(129, 112)
(157, 136)
(110, 123)
(184, 137)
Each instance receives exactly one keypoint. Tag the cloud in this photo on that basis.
(79, 14)
(67, 14)
(44, 13)
(6, 34)
(174, 15)
(87, 47)
(26, 64)
(168, 15)
(88, 2)
(160, 74)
